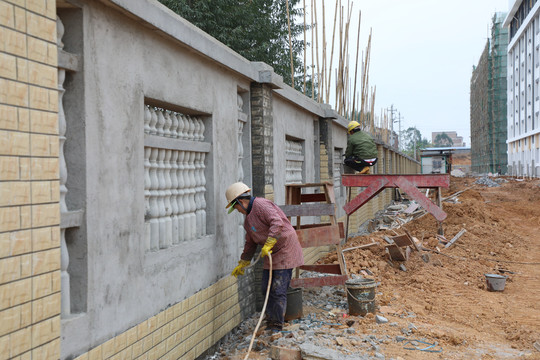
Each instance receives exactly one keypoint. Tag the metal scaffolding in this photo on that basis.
(488, 103)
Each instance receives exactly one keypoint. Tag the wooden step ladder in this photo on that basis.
(318, 234)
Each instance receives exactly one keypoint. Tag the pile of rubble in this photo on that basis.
(325, 331)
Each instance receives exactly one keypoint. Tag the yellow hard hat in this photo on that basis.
(352, 125)
(234, 191)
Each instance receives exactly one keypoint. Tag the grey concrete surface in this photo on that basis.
(136, 52)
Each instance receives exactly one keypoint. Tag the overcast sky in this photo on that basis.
(422, 56)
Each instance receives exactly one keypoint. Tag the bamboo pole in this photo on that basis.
(323, 74)
(290, 43)
(305, 45)
(332, 54)
(312, 57)
(317, 50)
(356, 66)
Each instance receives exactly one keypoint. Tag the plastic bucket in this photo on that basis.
(294, 308)
(361, 296)
(495, 282)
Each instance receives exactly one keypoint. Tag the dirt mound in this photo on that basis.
(446, 288)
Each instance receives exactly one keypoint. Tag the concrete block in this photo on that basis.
(53, 100)
(14, 42)
(47, 351)
(5, 244)
(38, 98)
(20, 341)
(14, 193)
(46, 307)
(24, 168)
(40, 145)
(42, 75)
(13, 93)
(45, 215)
(282, 353)
(41, 27)
(38, 50)
(45, 261)
(9, 168)
(42, 285)
(26, 265)
(15, 293)
(137, 349)
(41, 192)
(45, 169)
(4, 347)
(26, 217)
(108, 348)
(20, 242)
(7, 15)
(26, 314)
(95, 354)
(52, 54)
(37, 6)
(11, 320)
(24, 119)
(20, 19)
(43, 122)
(8, 65)
(9, 220)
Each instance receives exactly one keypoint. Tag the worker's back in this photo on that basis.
(361, 145)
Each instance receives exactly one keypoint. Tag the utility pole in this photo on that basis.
(399, 134)
(392, 112)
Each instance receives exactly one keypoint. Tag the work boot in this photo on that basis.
(365, 170)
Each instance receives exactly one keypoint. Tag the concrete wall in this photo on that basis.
(29, 182)
(122, 297)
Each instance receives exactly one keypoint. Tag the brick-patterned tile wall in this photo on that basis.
(183, 331)
(29, 182)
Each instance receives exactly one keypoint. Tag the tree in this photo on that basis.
(256, 29)
(443, 140)
(413, 141)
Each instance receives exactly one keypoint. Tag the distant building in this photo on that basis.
(488, 104)
(456, 140)
(523, 97)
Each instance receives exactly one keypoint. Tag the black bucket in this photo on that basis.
(294, 304)
(361, 296)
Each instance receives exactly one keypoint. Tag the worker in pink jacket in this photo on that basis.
(267, 225)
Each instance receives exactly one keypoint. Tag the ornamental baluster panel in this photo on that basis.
(67, 63)
(294, 162)
(175, 183)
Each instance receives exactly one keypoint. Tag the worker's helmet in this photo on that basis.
(234, 191)
(352, 125)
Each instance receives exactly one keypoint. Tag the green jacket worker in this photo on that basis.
(361, 152)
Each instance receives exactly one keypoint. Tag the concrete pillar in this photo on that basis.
(262, 140)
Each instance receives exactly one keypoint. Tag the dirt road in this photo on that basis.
(443, 301)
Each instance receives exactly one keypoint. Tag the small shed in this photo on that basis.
(440, 160)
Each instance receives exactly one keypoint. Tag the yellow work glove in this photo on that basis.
(268, 245)
(239, 270)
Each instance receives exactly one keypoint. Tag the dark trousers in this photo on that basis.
(277, 299)
(357, 164)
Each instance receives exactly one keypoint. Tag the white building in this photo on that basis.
(523, 21)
